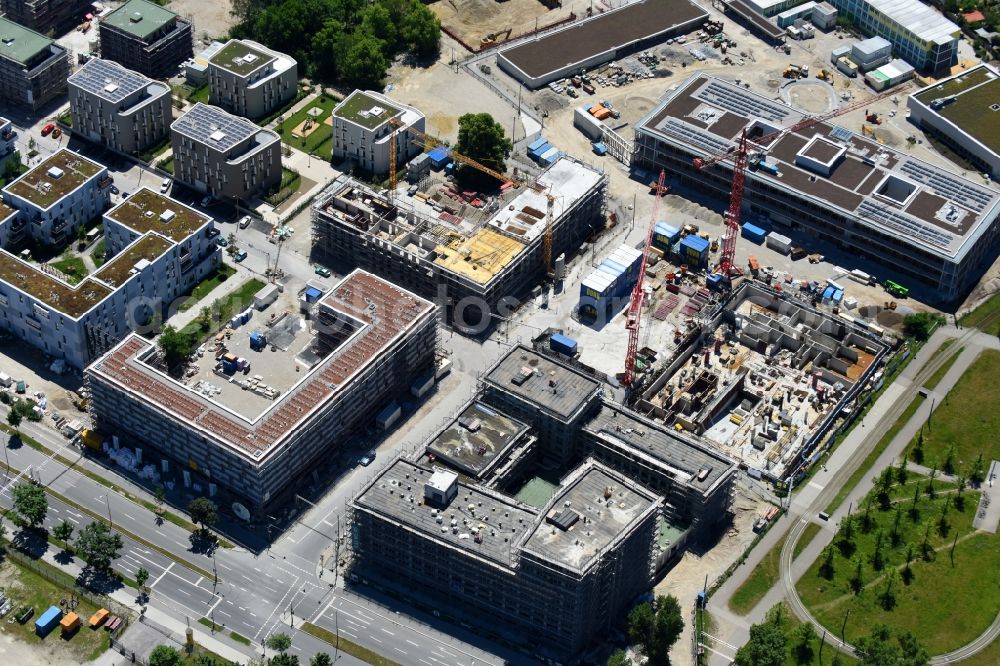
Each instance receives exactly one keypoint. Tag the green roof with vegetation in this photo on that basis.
(233, 57)
(141, 213)
(56, 294)
(43, 190)
(139, 18)
(356, 106)
(19, 43)
(117, 271)
(976, 92)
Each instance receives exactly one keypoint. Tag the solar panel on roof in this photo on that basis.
(840, 133)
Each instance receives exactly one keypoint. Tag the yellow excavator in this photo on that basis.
(494, 38)
(868, 131)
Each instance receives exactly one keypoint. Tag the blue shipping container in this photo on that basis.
(48, 621)
(540, 141)
(612, 267)
(838, 295)
(696, 244)
(439, 157)
(560, 343)
(535, 153)
(828, 293)
(753, 232)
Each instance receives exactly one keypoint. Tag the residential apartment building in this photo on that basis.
(147, 38)
(118, 108)
(250, 80)
(49, 17)
(368, 341)
(159, 250)
(919, 33)
(33, 68)
(963, 112)
(224, 155)
(362, 131)
(64, 192)
(889, 210)
(8, 136)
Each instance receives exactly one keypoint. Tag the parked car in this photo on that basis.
(207, 200)
(367, 459)
(244, 222)
(323, 271)
(48, 129)
(124, 195)
(56, 133)
(221, 242)
(240, 256)
(213, 232)
(164, 186)
(115, 190)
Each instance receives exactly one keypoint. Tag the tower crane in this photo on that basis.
(635, 304)
(740, 155)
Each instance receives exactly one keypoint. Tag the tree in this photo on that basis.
(918, 448)
(826, 569)
(283, 660)
(919, 325)
(279, 642)
(30, 503)
(321, 659)
(878, 557)
(901, 472)
(63, 531)
(375, 20)
(878, 649)
(141, 578)
(857, 580)
(14, 420)
(667, 629)
(641, 621)
(362, 63)
(160, 494)
(164, 655)
(618, 658)
(803, 637)
(176, 346)
(482, 138)
(422, 30)
(203, 512)
(766, 647)
(98, 545)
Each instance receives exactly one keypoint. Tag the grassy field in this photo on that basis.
(965, 423)
(869, 461)
(202, 289)
(789, 623)
(221, 628)
(290, 183)
(763, 577)
(345, 645)
(27, 588)
(72, 267)
(936, 378)
(224, 308)
(984, 313)
(990, 656)
(812, 529)
(946, 603)
(318, 142)
(97, 254)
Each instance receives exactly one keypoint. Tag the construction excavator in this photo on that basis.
(494, 38)
(868, 131)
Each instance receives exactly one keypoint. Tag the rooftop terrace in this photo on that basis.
(43, 187)
(357, 108)
(19, 43)
(139, 18)
(539, 380)
(600, 506)
(73, 301)
(474, 440)
(240, 58)
(143, 211)
(118, 270)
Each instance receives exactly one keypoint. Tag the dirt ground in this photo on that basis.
(210, 18)
(687, 577)
(477, 18)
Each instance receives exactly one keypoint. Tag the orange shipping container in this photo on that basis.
(98, 618)
(602, 114)
(594, 110)
(70, 622)
(754, 264)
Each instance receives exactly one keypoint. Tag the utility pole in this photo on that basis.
(107, 501)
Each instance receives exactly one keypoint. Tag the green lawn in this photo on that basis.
(808, 534)
(945, 605)
(965, 420)
(990, 656)
(291, 181)
(192, 95)
(97, 254)
(345, 645)
(27, 588)
(760, 580)
(869, 461)
(72, 267)
(202, 289)
(936, 378)
(224, 308)
(168, 164)
(314, 143)
(783, 614)
(983, 316)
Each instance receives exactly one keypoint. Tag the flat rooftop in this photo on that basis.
(358, 106)
(109, 80)
(751, 15)
(480, 257)
(550, 385)
(241, 58)
(383, 314)
(679, 452)
(397, 494)
(139, 18)
(604, 33)
(73, 301)
(891, 191)
(6, 211)
(476, 438)
(927, 23)
(44, 189)
(142, 213)
(118, 270)
(975, 93)
(215, 128)
(524, 217)
(19, 43)
(609, 503)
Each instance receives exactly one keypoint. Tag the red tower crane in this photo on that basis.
(635, 304)
(740, 156)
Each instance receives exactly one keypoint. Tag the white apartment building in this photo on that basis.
(362, 131)
(250, 80)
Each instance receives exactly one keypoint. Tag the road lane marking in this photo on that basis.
(412, 643)
(375, 638)
(400, 650)
(387, 631)
(162, 575)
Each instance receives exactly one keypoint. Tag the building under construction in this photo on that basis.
(540, 489)
(49, 17)
(472, 258)
(764, 379)
(329, 368)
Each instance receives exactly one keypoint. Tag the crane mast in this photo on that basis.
(635, 304)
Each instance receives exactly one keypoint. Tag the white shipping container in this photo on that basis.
(782, 244)
(860, 276)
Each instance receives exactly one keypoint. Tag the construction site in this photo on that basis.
(475, 256)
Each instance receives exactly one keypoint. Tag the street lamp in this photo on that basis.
(107, 501)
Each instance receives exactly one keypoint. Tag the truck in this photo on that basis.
(896, 289)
